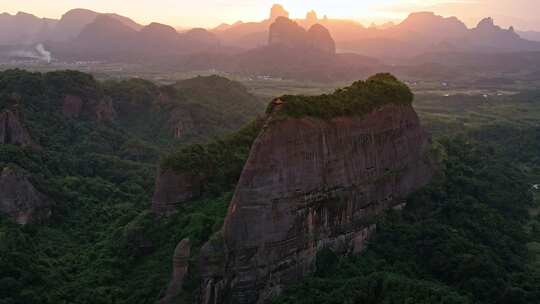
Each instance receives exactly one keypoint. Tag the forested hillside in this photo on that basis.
(470, 237)
(93, 155)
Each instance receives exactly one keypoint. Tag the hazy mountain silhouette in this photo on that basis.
(74, 21)
(290, 51)
(110, 38)
(420, 32)
(87, 35)
(530, 35)
(489, 37)
(23, 28)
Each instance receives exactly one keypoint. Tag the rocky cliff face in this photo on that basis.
(321, 39)
(312, 183)
(288, 33)
(12, 130)
(278, 11)
(180, 270)
(174, 188)
(19, 199)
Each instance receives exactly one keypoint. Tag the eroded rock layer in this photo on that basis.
(312, 183)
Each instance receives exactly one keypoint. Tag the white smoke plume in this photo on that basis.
(39, 52)
(45, 55)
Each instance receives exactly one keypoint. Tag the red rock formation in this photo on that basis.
(104, 110)
(72, 106)
(12, 131)
(310, 184)
(19, 200)
(180, 270)
(173, 189)
(321, 39)
(311, 17)
(181, 123)
(278, 11)
(287, 33)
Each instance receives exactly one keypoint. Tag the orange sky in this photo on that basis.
(207, 13)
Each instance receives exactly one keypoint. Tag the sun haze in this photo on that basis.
(209, 13)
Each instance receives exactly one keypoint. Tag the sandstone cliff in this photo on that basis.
(315, 180)
(101, 110)
(287, 33)
(174, 188)
(277, 11)
(196, 170)
(180, 270)
(19, 199)
(12, 130)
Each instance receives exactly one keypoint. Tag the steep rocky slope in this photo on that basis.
(19, 199)
(12, 130)
(288, 33)
(315, 181)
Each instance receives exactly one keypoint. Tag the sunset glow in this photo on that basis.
(209, 13)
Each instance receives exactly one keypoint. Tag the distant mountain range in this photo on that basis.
(109, 38)
(418, 33)
(310, 48)
(88, 35)
(24, 28)
(530, 35)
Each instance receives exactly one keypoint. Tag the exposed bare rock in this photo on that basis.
(312, 183)
(174, 188)
(278, 11)
(181, 123)
(212, 267)
(72, 106)
(321, 39)
(19, 200)
(311, 17)
(287, 33)
(104, 110)
(180, 270)
(12, 130)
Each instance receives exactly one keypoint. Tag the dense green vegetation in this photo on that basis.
(101, 244)
(472, 236)
(360, 98)
(461, 240)
(220, 162)
(147, 113)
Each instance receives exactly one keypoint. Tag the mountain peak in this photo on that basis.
(24, 14)
(321, 39)
(428, 23)
(159, 29)
(428, 18)
(288, 33)
(486, 23)
(278, 11)
(79, 13)
(311, 16)
(285, 31)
